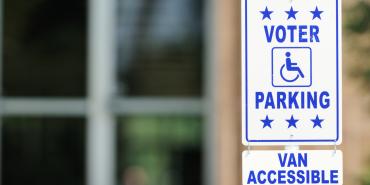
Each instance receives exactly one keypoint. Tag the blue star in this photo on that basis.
(316, 13)
(291, 13)
(292, 122)
(266, 13)
(317, 122)
(267, 122)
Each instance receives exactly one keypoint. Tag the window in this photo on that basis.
(40, 151)
(160, 71)
(161, 149)
(44, 48)
(160, 47)
(158, 95)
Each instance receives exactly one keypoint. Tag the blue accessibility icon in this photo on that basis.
(290, 66)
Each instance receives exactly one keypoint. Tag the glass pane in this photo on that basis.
(43, 151)
(160, 150)
(44, 48)
(161, 47)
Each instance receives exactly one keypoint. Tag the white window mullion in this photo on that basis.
(158, 106)
(209, 78)
(45, 107)
(101, 84)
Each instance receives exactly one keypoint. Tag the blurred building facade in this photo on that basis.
(134, 92)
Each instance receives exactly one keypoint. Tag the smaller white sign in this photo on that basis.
(293, 167)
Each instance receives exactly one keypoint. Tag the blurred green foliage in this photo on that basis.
(366, 75)
(357, 30)
(365, 179)
(356, 34)
(359, 18)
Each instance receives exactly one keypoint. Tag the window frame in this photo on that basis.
(100, 97)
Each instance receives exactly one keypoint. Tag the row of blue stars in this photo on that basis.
(291, 13)
(292, 122)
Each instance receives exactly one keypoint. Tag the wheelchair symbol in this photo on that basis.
(290, 66)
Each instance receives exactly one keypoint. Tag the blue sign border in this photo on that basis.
(246, 85)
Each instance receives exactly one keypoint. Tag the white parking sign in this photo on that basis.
(293, 167)
(291, 72)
